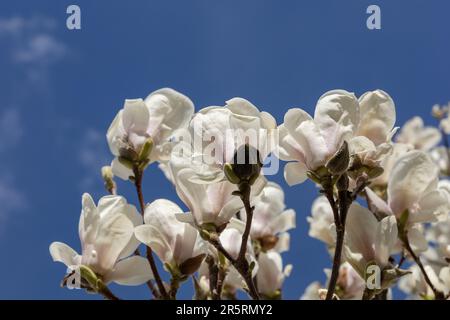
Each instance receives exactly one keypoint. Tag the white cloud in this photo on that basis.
(93, 155)
(11, 198)
(32, 44)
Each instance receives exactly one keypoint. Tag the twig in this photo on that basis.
(438, 295)
(138, 174)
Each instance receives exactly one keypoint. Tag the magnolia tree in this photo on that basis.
(382, 206)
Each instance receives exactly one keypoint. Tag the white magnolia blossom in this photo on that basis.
(271, 274)
(366, 124)
(321, 221)
(231, 239)
(107, 242)
(418, 136)
(209, 202)
(159, 117)
(351, 284)
(414, 187)
(368, 240)
(218, 132)
(177, 244)
(271, 220)
(416, 287)
(439, 233)
(441, 157)
(388, 162)
(312, 291)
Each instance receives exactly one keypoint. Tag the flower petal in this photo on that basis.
(377, 116)
(132, 271)
(61, 252)
(295, 173)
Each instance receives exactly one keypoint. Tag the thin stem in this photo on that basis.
(220, 281)
(438, 295)
(241, 262)
(174, 286)
(138, 174)
(241, 266)
(213, 277)
(245, 190)
(106, 293)
(339, 243)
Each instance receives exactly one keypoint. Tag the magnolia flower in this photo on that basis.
(388, 162)
(439, 233)
(418, 136)
(417, 288)
(151, 121)
(107, 242)
(177, 244)
(231, 239)
(271, 274)
(441, 157)
(270, 219)
(321, 221)
(210, 202)
(351, 285)
(367, 126)
(221, 131)
(312, 291)
(367, 240)
(413, 187)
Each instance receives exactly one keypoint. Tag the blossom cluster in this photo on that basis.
(382, 207)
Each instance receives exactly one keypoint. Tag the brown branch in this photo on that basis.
(438, 295)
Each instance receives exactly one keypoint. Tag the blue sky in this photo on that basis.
(60, 89)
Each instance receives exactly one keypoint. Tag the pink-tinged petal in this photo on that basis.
(412, 175)
(360, 237)
(377, 116)
(385, 240)
(89, 220)
(294, 118)
(283, 222)
(378, 205)
(156, 240)
(169, 110)
(295, 173)
(132, 271)
(113, 235)
(135, 116)
(417, 239)
(337, 116)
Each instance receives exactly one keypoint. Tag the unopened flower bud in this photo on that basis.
(338, 164)
(191, 265)
(342, 183)
(146, 149)
(108, 178)
(268, 242)
(246, 165)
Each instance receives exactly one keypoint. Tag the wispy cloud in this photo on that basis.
(11, 198)
(31, 44)
(93, 155)
(11, 131)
